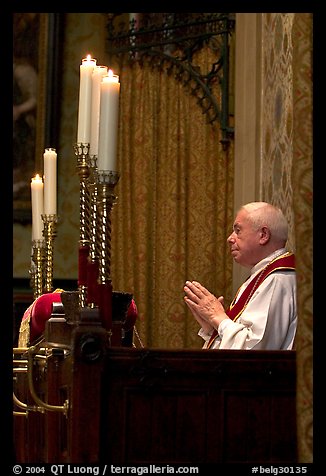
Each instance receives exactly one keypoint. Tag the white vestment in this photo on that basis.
(269, 320)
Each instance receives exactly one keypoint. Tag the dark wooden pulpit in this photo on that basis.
(198, 406)
(79, 400)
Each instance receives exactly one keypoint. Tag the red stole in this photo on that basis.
(283, 262)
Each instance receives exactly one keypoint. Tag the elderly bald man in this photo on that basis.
(263, 314)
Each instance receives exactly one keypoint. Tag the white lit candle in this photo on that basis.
(109, 116)
(85, 100)
(50, 182)
(97, 75)
(37, 207)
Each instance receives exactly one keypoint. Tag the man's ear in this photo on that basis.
(265, 235)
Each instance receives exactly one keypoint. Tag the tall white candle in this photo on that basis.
(97, 75)
(109, 116)
(37, 207)
(50, 181)
(85, 100)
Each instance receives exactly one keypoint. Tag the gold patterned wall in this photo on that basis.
(277, 117)
(287, 173)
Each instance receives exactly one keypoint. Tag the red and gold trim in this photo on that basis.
(284, 262)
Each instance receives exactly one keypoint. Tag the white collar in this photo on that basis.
(261, 264)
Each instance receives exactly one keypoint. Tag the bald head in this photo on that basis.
(264, 214)
(259, 229)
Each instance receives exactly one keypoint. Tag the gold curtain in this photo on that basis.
(302, 178)
(175, 204)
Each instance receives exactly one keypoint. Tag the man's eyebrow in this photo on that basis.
(236, 227)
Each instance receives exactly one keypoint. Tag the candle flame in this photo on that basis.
(37, 177)
(89, 61)
(110, 77)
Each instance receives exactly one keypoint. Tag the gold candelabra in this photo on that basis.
(94, 266)
(36, 271)
(93, 262)
(97, 198)
(49, 233)
(106, 182)
(83, 169)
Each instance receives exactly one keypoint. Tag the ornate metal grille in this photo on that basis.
(170, 41)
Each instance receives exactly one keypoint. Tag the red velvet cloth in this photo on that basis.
(41, 309)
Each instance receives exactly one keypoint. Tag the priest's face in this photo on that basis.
(244, 241)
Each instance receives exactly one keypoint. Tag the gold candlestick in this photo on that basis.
(82, 154)
(36, 270)
(106, 181)
(92, 275)
(49, 233)
(93, 190)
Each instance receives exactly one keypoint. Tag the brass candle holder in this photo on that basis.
(83, 169)
(93, 262)
(49, 233)
(106, 182)
(36, 271)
